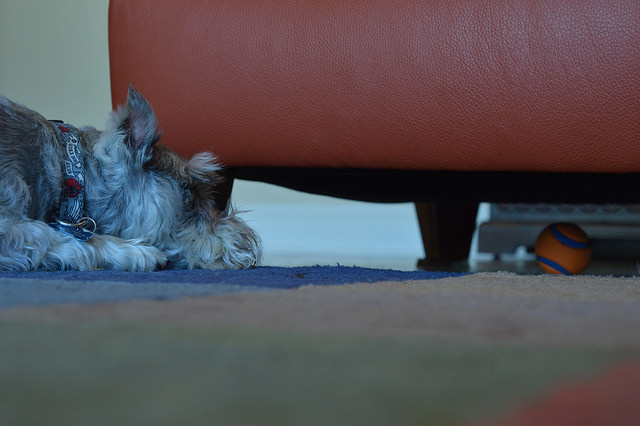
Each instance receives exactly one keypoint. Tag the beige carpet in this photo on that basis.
(546, 309)
(466, 350)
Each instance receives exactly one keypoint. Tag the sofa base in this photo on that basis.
(451, 186)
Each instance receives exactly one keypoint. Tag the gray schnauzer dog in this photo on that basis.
(116, 199)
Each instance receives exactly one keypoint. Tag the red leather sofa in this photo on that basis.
(445, 103)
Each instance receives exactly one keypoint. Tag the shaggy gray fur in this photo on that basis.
(152, 208)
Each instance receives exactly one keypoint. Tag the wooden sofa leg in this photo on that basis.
(447, 230)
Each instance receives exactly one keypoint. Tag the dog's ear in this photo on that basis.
(139, 124)
(202, 168)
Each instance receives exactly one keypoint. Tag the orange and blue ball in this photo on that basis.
(563, 248)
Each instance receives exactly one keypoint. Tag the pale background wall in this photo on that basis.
(54, 58)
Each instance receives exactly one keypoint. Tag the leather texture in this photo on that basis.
(467, 85)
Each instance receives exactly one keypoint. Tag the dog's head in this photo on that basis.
(143, 190)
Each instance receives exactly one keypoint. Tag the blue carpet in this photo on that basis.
(46, 288)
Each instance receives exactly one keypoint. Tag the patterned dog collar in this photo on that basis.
(71, 219)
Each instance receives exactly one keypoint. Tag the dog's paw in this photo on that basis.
(146, 258)
(127, 255)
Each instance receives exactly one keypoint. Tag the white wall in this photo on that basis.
(54, 58)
